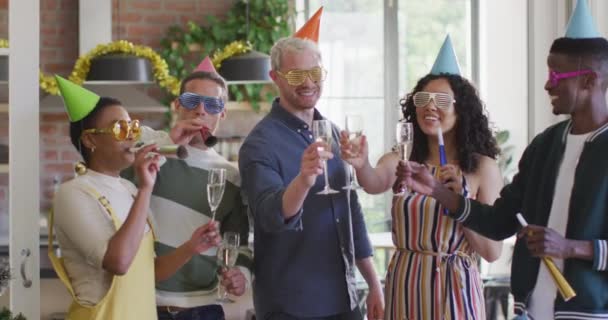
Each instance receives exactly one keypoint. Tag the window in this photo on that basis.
(352, 47)
(352, 44)
(423, 26)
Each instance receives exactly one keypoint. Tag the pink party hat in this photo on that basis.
(206, 65)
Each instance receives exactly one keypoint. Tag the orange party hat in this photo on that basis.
(310, 30)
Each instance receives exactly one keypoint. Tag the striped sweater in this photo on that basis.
(179, 206)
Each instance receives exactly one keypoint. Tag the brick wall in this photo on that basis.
(58, 35)
(145, 21)
(139, 21)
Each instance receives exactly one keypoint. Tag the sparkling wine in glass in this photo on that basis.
(322, 132)
(354, 128)
(227, 254)
(405, 142)
(216, 183)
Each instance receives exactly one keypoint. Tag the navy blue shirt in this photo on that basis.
(305, 266)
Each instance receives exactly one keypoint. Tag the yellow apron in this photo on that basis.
(131, 296)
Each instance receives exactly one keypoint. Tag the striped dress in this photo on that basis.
(433, 274)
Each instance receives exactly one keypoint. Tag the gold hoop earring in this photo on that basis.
(80, 168)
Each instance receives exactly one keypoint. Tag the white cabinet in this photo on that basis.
(24, 178)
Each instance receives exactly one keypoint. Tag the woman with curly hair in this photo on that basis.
(433, 273)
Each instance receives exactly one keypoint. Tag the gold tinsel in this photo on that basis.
(233, 48)
(83, 64)
(47, 83)
(161, 69)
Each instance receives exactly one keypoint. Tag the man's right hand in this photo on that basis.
(312, 163)
(357, 160)
(184, 130)
(416, 176)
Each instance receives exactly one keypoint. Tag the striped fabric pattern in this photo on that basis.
(600, 260)
(179, 205)
(520, 308)
(431, 275)
(572, 315)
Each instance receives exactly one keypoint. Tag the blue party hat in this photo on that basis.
(446, 61)
(581, 24)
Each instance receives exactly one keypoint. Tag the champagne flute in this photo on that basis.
(354, 128)
(216, 183)
(405, 142)
(322, 132)
(227, 255)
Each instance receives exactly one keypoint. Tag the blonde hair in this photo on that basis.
(291, 44)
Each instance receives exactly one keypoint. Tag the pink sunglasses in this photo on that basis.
(554, 77)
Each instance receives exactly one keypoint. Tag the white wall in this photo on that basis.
(599, 8)
(503, 68)
(515, 38)
(547, 21)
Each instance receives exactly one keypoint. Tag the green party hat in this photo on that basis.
(78, 101)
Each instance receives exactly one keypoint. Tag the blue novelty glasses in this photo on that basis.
(212, 105)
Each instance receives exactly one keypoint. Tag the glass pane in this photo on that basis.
(374, 206)
(423, 26)
(353, 54)
(351, 43)
(337, 109)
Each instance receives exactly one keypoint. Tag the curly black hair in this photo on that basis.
(88, 122)
(473, 134)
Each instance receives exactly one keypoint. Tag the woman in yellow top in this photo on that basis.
(108, 262)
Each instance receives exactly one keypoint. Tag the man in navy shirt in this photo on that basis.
(305, 245)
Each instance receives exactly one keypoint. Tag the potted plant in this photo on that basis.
(259, 22)
(5, 277)
(505, 159)
(5, 274)
(6, 314)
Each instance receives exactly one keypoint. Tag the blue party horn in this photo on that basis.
(442, 158)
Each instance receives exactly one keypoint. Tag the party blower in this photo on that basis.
(172, 150)
(565, 290)
(443, 160)
(209, 139)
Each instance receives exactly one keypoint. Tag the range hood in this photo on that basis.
(133, 98)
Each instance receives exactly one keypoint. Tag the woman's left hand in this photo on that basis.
(451, 177)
